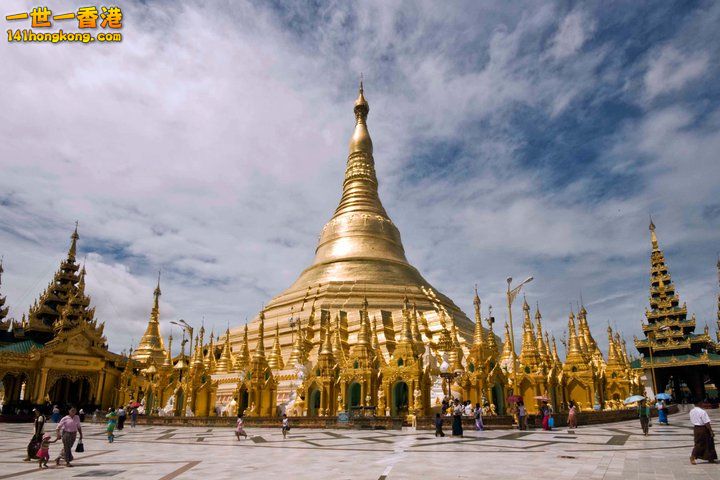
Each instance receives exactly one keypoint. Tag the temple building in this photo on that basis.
(58, 352)
(675, 358)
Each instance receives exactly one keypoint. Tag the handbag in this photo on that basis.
(551, 422)
(80, 447)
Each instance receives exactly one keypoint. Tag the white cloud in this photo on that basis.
(670, 70)
(216, 154)
(573, 31)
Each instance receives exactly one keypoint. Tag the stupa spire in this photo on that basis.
(72, 252)
(528, 352)
(275, 360)
(478, 334)
(259, 352)
(243, 356)
(541, 346)
(225, 364)
(151, 343)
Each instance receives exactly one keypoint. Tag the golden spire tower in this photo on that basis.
(359, 255)
(275, 360)
(528, 353)
(225, 363)
(541, 346)
(151, 343)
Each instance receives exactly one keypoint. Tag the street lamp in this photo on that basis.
(186, 327)
(511, 294)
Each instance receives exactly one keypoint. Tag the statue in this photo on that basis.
(339, 404)
(189, 412)
(417, 394)
(492, 409)
(231, 409)
(381, 402)
(169, 409)
(251, 411)
(298, 409)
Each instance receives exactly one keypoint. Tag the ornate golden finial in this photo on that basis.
(73, 243)
(653, 237)
(260, 348)
(360, 141)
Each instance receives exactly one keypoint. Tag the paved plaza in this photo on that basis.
(611, 451)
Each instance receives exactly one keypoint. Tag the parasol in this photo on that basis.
(633, 399)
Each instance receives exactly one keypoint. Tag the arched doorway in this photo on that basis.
(354, 394)
(400, 395)
(179, 400)
(243, 399)
(149, 400)
(67, 391)
(313, 402)
(498, 399)
(14, 388)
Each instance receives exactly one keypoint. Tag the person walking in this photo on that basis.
(133, 417)
(285, 425)
(545, 414)
(572, 415)
(121, 414)
(81, 414)
(644, 414)
(38, 428)
(478, 418)
(703, 434)
(68, 429)
(43, 453)
(439, 426)
(522, 414)
(458, 410)
(239, 430)
(111, 423)
(55, 417)
(662, 412)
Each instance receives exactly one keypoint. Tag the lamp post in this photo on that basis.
(512, 293)
(186, 327)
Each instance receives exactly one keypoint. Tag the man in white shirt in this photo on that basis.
(704, 437)
(67, 429)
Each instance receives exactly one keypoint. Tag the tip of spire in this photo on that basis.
(652, 225)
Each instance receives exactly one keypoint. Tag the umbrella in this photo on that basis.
(514, 398)
(662, 396)
(541, 398)
(633, 399)
(135, 405)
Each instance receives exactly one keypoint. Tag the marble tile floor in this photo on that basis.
(612, 451)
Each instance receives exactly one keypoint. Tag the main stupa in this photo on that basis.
(359, 256)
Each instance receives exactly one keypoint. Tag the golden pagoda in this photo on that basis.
(359, 256)
(151, 343)
(359, 272)
(579, 376)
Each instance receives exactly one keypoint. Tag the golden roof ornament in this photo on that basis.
(275, 360)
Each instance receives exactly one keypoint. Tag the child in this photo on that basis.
(285, 425)
(239, 429)
(43, 453)
(111, 422)
(438, 426)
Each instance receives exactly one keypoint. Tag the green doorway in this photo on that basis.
(400, 395)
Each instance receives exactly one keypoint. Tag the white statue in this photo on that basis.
(169, 409)
(189, 412)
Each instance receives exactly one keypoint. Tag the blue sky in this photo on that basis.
(531, 138)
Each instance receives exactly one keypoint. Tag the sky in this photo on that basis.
(510, 139)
